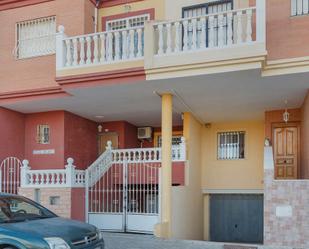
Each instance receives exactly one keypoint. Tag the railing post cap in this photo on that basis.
(70, 161)
(109, 144)
(25, 163)
(61, 29)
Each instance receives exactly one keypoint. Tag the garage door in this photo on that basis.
(236, 218)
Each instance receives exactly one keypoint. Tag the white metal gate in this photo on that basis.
(10, 175)
(126, 198)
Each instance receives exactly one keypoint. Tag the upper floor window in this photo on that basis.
(231, 145)
(299, 7)
(128, 22)
(36, 37)
(208, 8)
(43, 134)
(176, 140)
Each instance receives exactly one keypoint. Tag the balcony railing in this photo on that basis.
(214, 30)
(228, 29)
(100, 48)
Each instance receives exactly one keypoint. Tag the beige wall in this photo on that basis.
(187, 221)
(245, 174)
(231, 175)
(305, 139)
(38, 72)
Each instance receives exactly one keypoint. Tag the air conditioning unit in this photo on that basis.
(144, 133)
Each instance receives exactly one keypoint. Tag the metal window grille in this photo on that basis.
(211, 8)
(43, 136)
(231, 145)
(129, 22)
(36, 37)
(176, 140)
(299, 7)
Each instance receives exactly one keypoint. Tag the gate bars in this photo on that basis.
(10, 175)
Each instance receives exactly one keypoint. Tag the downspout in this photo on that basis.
(97, 5)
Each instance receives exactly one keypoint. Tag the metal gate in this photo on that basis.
(126, 198)
(10, 175)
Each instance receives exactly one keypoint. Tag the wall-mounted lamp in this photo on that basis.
(100, 128)
(286, 114)
(127, 8)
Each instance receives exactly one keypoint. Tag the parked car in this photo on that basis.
(25, 224)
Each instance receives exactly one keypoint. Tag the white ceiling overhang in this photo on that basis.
(241, 95)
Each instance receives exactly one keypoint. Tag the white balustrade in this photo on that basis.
(222, 29)
(99, 48)
(68, 177)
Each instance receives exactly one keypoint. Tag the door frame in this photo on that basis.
(102, 134)
(286, 125)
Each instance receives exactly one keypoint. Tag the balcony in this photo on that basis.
(227, 40)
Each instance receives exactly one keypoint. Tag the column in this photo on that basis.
(166, 180)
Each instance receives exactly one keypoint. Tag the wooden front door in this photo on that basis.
(286, 140)
(108, 136)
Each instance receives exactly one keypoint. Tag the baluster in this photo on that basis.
(82, 51)
(102, 54)
(229, 29)
(160, 29)
(211, 36)
(31, 178)
(177, 37)
(110, 46)
(239, 27)
(132, 44)
(220, 31)
(63, 179)
(69, 55)
(169, 38)
(95, 49)
(117, 46)
(249, 26)
(299, 7)
(88, 55)
(203, 33)
(57, 178)
(37, 179)
(124, 45)
(139, 43)
(75, 52)
(52, 180)
(185, 35)
(194, 34)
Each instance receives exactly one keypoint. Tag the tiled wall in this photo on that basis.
(286, 212)
(63, 208)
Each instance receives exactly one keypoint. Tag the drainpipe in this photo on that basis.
(97, 5)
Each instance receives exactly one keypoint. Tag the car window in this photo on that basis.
(15, 209)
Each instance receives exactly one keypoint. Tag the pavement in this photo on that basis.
(138, 241)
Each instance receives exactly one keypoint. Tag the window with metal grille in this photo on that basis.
(299, 7)
(36, 37)
(231, 145)
(176, 140)
(43, 136)
(128, 22)
(208, 8)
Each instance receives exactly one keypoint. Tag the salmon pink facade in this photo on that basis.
(160, 116)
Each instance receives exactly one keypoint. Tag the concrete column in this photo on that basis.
(163, 230)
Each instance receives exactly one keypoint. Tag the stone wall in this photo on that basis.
(286, 209)
(62, 207)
